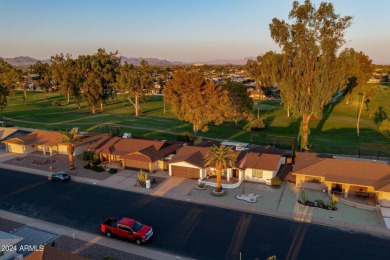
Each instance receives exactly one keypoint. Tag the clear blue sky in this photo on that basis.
(183, 30)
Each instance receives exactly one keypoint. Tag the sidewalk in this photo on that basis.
(280, 203)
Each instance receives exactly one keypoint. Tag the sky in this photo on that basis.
(176, 30)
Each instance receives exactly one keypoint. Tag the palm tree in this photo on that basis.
(222, 157)
(70, 139)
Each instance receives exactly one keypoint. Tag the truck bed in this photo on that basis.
(110, 222)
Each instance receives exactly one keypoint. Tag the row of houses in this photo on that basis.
(176, 157)
(346, 176)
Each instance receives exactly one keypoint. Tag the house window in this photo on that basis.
(256, 173)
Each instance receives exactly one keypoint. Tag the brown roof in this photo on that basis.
(195, 155)
(303, 160)
(367, 173)
(38, 137)
(49, 138)
(261, 161)
(192, 155)
(385, 188)
(131, 148)
(50, 253)
(90, 137)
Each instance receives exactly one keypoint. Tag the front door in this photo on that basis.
(235, 173)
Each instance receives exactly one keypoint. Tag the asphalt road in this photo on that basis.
(184, 228)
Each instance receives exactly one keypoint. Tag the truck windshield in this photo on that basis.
(137, 226)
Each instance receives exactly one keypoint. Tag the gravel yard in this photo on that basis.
(55, 163)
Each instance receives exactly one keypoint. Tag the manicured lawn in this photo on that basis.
(335, 132)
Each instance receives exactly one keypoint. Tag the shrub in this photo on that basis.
(108, 258)
(303, 196)
(95, 158)
(185, 137)
(319, 203)
(86, 166)
(201, 185)
(87, 155)
(276, 181)
(254, 125)
(142, 178)
(98, 168)
(56, 103)
(333, 201)
(112, 170)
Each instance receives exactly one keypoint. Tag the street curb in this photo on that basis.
(378, 231)
(127, 247)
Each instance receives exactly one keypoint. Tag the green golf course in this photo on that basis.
(334, 132)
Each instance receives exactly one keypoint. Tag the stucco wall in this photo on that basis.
(15, 148)
(384, 198)
(267, 175)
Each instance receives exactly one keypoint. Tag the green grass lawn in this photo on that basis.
(335, 132)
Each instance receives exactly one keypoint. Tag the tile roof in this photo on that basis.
(261, 161)
(195, 155)
(48, 138)
(303, 160)
(367, 173)
(38, 137)
(131, 148)
(191, 154)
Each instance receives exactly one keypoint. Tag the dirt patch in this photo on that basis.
(56, 163)
(46, 161)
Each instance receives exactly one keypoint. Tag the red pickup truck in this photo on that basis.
(127, 228)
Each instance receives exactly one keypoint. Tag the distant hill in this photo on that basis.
(27, 61)
(151, 61)
(229, 61)
(21, 61)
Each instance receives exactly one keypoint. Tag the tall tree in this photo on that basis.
(309, 63)
(220, 157)
(98, 76)
(135, 82)
(9, 78)
(70, 139)
(196, 100)
(359, 71)
(65, 74)
(240, 104)
(41, 75)
(270, 70)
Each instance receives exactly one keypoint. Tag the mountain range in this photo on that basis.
(27, 61)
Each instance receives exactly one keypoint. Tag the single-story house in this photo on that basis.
(148, 155)
(259, 167)
(47, 142)
(189, 162)
(345, 176)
